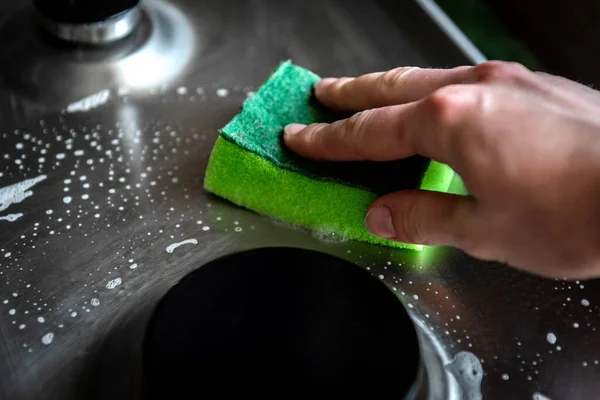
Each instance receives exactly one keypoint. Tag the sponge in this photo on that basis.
(251, 167)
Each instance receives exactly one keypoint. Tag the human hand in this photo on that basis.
(526, 144)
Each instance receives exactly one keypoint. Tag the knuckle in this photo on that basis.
(357, 122)
(453, 112)
(411, 223)
(314, 139)
(501, 71)
(395, 77)
(338, 87)
(447, 105)
(354, 129)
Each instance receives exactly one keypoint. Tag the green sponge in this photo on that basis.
(251, 167)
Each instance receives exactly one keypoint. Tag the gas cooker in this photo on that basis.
(104, 141)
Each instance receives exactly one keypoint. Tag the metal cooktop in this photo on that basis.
(103, 146)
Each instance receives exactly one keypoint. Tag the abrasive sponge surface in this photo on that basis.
(287, 97)
(251, 167)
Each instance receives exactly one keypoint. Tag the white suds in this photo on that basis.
(89, 102)
(173, 246)
(15, 194)
(10, 217)
(222, 92)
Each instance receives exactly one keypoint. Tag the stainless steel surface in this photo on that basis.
(102, 158)
(107, 31)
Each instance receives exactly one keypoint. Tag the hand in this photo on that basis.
(526, 144)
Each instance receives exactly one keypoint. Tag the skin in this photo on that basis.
(527, 145)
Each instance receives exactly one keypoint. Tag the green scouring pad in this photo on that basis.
(251, 167)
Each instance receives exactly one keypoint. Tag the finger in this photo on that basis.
(408, 84)
(428, 127)
(379, 89)
(424, 217)
(374, 135)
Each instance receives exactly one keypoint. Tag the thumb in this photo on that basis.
(423, 217)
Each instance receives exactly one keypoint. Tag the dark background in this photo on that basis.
(565, 35)
(561, 37)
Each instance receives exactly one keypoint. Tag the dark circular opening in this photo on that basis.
(279, 321)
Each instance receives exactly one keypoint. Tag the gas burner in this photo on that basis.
(73, 53)
(88, 22)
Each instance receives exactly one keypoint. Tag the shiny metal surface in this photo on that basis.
(101, 165)
(107, 31)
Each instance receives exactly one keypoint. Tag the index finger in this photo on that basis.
(426, 127)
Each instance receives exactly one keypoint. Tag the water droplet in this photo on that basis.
(114, 283)
(468, 371)
(48, 338)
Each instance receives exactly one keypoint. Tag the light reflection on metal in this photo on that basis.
(110, 30)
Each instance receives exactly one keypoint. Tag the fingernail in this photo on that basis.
(323, 83)
(379, 222)
(292, 129)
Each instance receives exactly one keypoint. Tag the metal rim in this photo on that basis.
(107, 31)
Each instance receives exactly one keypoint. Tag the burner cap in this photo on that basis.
(88, 22)
(82, 11)
(279, 321)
